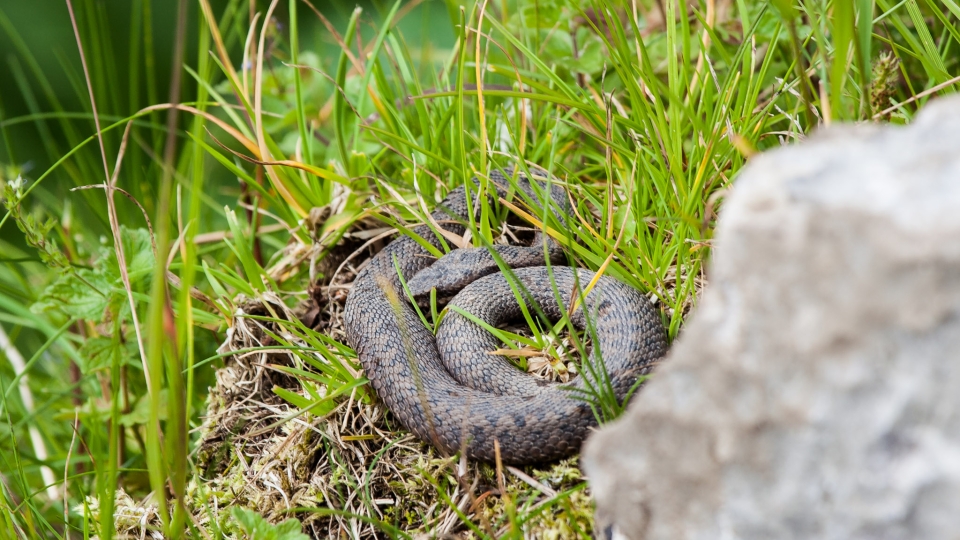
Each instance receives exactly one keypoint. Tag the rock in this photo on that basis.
(816, 391)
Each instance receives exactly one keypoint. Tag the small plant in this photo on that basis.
(886, 78)
(254, 527)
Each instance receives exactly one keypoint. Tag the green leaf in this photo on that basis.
(292, 397)
(544, 14)
(843, 23)
(621, 219)
(242, 248)
(98, 294)
(98, 353)
(138, 250)
(141, 412)
(290, 529)
(592, 57)
(254, 527)
(84, 294)
(787, 8)
(559, 45)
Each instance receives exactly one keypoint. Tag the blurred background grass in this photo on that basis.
(130, 78)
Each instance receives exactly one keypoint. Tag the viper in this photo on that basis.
(446, 388)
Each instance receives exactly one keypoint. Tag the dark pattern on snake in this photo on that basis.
(447, 389)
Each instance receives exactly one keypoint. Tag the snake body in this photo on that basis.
(447, 389)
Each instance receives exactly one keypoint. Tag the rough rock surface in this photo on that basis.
(816, 392)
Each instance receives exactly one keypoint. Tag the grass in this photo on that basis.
(242, 213)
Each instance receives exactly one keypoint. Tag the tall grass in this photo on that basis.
(644, 116)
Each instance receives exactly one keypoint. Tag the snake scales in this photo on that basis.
(446, 388)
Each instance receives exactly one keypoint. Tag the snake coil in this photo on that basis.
(446, 388)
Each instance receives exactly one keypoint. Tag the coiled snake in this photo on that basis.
(446, 388)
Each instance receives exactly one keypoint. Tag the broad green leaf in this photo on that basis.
(254, 527)
(141, 412)
(98, 353)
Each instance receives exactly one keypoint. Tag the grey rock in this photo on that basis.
(815, 393)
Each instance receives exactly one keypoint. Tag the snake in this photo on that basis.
(446, 387)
